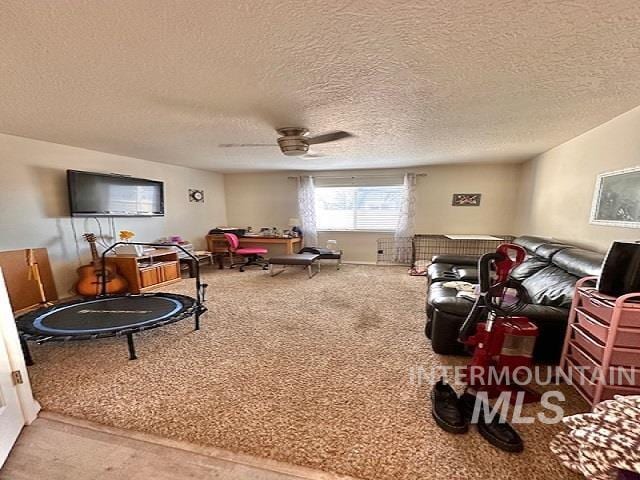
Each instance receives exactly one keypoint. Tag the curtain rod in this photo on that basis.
(359, 176)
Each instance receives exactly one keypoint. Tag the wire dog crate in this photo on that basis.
(417, 251)
(395, 251)
(426, 246)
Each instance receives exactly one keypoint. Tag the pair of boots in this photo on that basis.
(454, 414)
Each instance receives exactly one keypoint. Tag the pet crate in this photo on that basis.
(395, 251)
(426, 246)
(417, 251)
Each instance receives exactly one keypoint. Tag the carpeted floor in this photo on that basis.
(312, 372)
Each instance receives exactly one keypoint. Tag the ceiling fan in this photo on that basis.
(293, 141)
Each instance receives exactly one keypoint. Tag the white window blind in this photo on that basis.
(358, 207)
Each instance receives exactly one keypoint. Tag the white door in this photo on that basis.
(11, 417)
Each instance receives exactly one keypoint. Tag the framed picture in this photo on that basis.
(616, 199)
(466, 199)
(196, 195)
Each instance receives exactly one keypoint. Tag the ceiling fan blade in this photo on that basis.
(328, 137)
(235, 145)
(314, 155)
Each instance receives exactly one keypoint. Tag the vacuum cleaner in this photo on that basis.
(502, 344)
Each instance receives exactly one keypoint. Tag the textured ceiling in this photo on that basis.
(418, 82)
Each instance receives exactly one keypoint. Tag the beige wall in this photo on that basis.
(496, 182)
(550, 195)
(269, 199)
(34, 207)
(557, 187)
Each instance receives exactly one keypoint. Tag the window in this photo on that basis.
(358, 208)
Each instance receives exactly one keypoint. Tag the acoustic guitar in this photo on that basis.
(90, 276)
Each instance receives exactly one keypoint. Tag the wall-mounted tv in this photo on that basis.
(109, 195)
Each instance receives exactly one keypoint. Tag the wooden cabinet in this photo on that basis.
(154, 269)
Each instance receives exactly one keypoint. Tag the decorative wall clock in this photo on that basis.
(196, 195)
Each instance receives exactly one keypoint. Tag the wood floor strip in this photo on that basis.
(292, 471)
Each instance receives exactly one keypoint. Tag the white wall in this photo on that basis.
(34, 207)
(269, 199)
(557, 187)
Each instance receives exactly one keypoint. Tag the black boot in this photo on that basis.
(445, 409)
(497, 431)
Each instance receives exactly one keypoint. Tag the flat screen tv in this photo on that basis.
(109, 195)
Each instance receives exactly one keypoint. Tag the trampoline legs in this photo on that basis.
(25, 351)
(197, 315)
(132, 347)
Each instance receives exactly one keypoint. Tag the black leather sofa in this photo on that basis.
(445, 268)
(548, 275)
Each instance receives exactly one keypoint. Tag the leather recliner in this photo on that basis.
(548, 275)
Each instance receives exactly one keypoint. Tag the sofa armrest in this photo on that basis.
(456, 259)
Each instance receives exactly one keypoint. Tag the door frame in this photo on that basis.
(9, 336)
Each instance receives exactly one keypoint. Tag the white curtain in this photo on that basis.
(407, 220)
(307, 211)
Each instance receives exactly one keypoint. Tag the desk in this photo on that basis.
(214, 242)
(288, 243)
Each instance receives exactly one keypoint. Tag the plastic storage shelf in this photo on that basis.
(602, 347)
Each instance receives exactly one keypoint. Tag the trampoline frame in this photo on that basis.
(196, 309)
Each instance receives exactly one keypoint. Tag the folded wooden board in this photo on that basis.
(23, 292)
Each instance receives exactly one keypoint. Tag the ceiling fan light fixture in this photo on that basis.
(293, 153)
(293, 146)
(294, 141)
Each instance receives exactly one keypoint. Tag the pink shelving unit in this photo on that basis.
(602, 346)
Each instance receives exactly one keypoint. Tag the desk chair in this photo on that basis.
(251, 255)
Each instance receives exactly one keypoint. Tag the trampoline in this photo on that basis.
(109, 316)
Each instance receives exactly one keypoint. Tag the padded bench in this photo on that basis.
(303, 259)
(325, 254)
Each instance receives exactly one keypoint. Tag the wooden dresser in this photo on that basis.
(602, 346)
(155, 269)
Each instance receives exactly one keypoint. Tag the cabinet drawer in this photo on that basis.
(595, 306)
(170, 271)
(587, 387)
(621, 376)
(149, 276)
(628, 338)
(602, 308)
(595, 348)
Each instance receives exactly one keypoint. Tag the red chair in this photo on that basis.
(251, 255)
